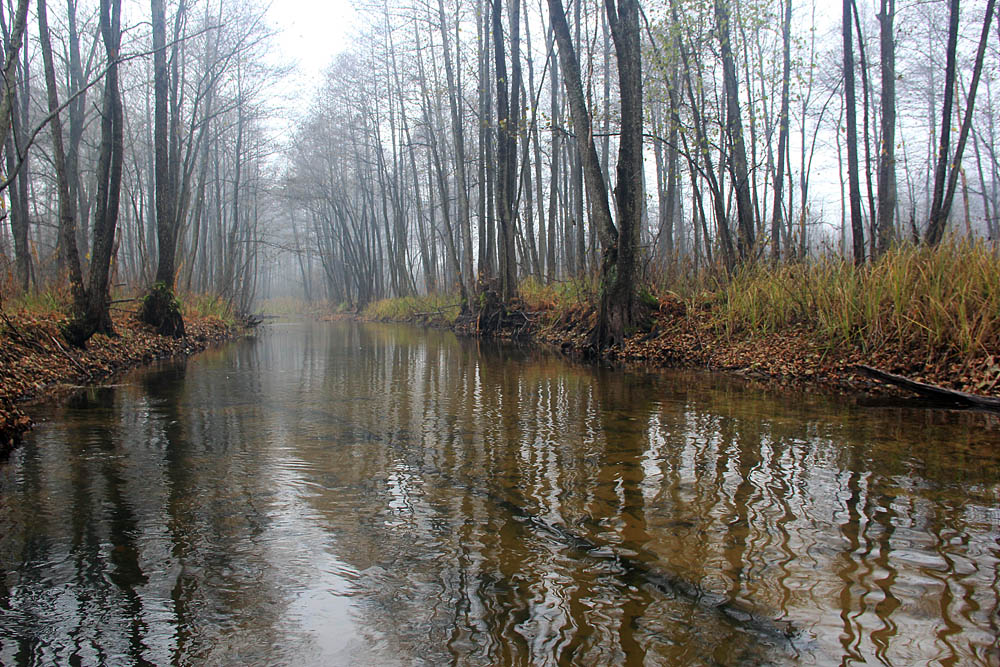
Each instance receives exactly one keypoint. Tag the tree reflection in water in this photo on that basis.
(370, 494)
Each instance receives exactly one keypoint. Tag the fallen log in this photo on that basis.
(933, 391)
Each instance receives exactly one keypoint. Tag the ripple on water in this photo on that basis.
(367, 494)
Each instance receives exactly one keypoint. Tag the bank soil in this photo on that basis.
(679, 336)
(36, 362)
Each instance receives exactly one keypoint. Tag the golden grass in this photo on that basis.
(557, 298)
(206, 305)
(945, 298)
(444, 308)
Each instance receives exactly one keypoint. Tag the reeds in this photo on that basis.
(945, 299)
(443, 308)
(205, 306)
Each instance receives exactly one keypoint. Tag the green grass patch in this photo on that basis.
(443, 308)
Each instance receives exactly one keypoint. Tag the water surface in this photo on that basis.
(370, 494)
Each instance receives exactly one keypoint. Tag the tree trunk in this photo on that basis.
(734, 130)
(944, 192)
(9, 116)
(10, 65)
(618, 311)
(159, 308)
(507, 126)
(464, 225)
(853, 182)
(67, 206)
(553, 213)
(617, 314)
(866, 125)
(776, 211)
(96, 318)
(887, 156)
(597, 192)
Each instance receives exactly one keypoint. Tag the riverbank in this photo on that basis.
(681, 337)
(931, 315)
(35, 361)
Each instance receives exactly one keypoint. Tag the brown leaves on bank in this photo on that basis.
(683, 336)
(35, 362)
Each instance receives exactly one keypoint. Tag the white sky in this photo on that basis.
(310, 33)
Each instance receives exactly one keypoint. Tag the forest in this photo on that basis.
(470, 147)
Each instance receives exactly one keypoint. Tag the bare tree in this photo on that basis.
(887, 154)
(782, 156)
(853, 182)
(945, 178)
(95, 317)
(160, 309)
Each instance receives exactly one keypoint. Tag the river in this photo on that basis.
(361, 494)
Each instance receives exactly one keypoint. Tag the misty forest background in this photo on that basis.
(455, 147)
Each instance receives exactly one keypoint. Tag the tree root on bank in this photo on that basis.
(161, 310)
(495, 318)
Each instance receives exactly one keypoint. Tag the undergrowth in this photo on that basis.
(52, 303)
(207, 305)
(559, 296)
(443, 308)
(944, 299)
(55, 303)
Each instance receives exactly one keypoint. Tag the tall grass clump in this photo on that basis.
(439, 307)
(944, 299)
(207, 306)
(557, 297)
(52, 303)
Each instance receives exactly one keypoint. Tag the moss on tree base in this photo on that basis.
(162, 311)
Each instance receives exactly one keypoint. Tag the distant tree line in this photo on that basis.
(469, 143)
(133, 156)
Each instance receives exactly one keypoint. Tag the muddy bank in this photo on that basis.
(677, 336)
(35, 361)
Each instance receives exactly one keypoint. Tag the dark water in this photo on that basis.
(345, 494)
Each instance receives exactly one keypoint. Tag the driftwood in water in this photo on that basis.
(934, 391)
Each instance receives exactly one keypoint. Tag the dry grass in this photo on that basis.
(443, 308)
(207, 305)
(557, 298)
(945, 299)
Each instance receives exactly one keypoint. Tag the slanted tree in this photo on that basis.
(618, 312)
(779, 178)
(67, 205)
(466, 276)
(95, 317)
(738, 166)
(949, 166)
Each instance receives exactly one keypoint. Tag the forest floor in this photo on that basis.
(36, 362)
